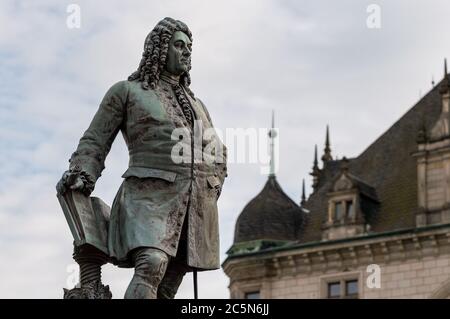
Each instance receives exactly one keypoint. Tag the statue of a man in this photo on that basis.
(164, 219)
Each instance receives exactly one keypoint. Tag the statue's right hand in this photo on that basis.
(70, 180)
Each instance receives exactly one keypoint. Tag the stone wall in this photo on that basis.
(410, 279)
(411, 265)
(435, 185)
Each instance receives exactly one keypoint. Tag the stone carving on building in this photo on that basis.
(433, 164)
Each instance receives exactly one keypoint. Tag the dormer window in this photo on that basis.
(351, 202)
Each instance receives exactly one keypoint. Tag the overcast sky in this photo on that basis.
(313, 62)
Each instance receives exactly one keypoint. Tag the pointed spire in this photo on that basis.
(445, 86)
(316, 162)
(272, 135)
(315, 169)
(303, 201)
(327, 150)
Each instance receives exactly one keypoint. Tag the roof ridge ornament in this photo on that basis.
(303, 200)
(445, 86)
(272, 134)
(441, 130)
(315, 170)
(327, 150)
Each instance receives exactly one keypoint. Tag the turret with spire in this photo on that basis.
(271, 217)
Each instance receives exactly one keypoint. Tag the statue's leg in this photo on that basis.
(150, 264)
(172, 280)
(176, 269)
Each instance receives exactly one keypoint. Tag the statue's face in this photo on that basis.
(179, 54)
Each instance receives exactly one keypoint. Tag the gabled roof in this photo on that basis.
(346, 181)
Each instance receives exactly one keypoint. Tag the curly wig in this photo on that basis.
(154, 56)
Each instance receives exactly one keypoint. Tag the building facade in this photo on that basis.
(375, 226)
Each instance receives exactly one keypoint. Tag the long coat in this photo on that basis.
(152, 203)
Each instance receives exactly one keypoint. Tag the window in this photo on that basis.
(334, 290)
(344, 210)
(252, 295)
(338, 211)
(342, 289)
(349, 209)
(351, 289)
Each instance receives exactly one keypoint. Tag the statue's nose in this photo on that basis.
(187, 52)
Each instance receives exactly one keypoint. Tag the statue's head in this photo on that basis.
(178, 60)
(167, 47)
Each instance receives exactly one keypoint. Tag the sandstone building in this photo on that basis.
(375, 226)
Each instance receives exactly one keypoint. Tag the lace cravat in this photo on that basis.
(184, 102)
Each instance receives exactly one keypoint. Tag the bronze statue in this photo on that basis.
(164, 219)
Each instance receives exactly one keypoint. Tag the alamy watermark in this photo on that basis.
(243, 146)
(374, 278)
(73, 20)
(373, 20)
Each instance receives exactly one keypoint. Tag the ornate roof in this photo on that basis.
(385, 173)
(271, 215)
(388, 166)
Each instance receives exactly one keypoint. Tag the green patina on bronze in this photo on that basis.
(158, 196)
